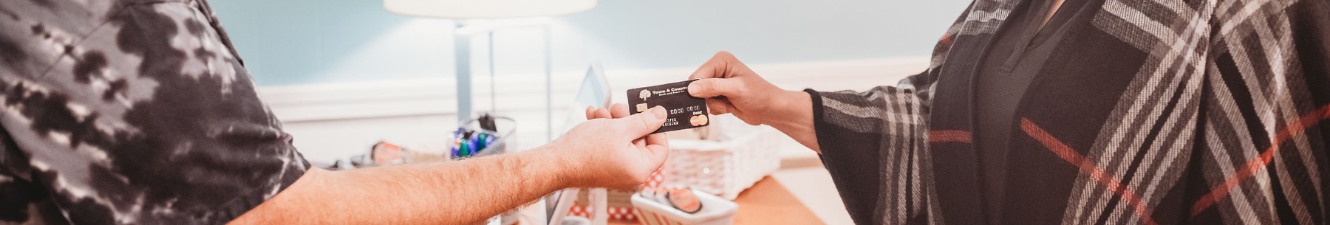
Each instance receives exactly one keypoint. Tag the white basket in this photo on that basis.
(724, 168)
(715, 211)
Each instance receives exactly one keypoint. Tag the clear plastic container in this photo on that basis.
(505, 126)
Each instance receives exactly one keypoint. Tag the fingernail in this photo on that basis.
(659, 111)
(694, 87)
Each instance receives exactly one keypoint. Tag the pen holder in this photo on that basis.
(503, 133)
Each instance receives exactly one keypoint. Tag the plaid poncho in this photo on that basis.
(1149, 112)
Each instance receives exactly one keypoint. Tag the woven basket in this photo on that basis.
(724, 168)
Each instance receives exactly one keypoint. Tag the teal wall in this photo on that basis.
(288, 42)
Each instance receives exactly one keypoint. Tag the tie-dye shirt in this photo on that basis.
(131, 112)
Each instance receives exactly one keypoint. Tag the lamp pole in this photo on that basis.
(462, 49)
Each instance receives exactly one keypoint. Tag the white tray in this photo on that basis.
(715, 211)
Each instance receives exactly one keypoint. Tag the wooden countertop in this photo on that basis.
(769, 202)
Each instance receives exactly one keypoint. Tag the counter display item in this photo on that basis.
(482, 136)
(741, 155)
(467, 142)
(717, 211)
(681, 199)
(387, 153)
(381, 153)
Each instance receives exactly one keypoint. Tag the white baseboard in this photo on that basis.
(526, 92)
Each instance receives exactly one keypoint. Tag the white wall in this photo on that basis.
(331, 121)
(287, 42)
(343, 74)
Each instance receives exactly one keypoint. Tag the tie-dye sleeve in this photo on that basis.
(132, 112)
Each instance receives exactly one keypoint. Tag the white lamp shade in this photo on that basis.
(486, 9)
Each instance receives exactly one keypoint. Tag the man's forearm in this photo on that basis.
(795, 118)
(439, 193)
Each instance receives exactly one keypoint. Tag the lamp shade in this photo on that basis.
(486, 9)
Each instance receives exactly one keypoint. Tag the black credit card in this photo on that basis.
(685, 111)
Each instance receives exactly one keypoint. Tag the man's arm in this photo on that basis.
(448, 193)
(598, 153)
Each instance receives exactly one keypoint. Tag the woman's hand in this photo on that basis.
(613, 149)
(730, 87)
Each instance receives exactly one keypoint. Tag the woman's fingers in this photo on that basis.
(590, 112)
(718, 106)
(716, 67)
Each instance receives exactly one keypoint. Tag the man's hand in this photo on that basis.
(613, 149)
(730, 87)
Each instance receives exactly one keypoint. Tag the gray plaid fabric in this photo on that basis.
(1150, 112)
(130, 112)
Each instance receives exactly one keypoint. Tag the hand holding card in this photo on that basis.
(684, 110)
(731, 87)
(613, 149)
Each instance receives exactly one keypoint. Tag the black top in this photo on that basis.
(1018, 53)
